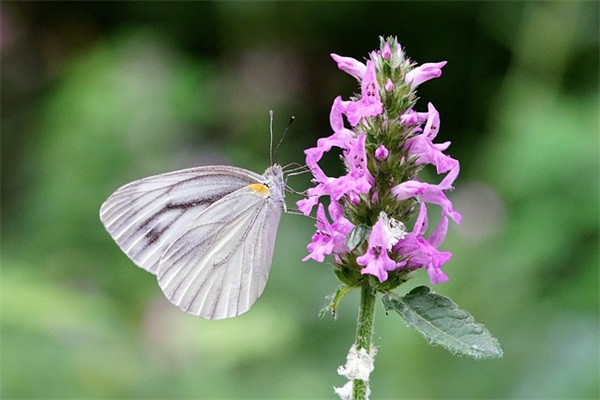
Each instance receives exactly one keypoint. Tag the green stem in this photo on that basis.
(364, 333)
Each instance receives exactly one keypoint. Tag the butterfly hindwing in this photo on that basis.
(220, 266)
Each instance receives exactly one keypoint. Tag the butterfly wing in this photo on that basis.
(220, 265)
(146, 216)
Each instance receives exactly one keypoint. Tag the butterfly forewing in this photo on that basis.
(145, 216)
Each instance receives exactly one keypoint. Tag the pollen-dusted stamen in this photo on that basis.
(260, 190)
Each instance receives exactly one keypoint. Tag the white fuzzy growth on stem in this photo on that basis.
(345, 392)
(359, 365)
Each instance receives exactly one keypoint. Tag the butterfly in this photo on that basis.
(207, 233)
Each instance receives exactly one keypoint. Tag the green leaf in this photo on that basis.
(442, 323)
(357, 236)
(334, 301)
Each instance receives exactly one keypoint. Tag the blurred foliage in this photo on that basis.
(95, 94)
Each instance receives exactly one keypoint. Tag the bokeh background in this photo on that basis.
(95, 94)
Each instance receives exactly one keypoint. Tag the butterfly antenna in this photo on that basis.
(292, 119)
(271, 132)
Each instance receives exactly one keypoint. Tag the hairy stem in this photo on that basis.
(364, 334)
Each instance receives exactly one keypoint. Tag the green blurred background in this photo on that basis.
(97, 94)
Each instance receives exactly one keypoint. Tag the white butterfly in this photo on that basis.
(207, 233)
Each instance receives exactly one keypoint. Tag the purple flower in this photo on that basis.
(305, 206)
(336, 119)
(411, 117)
(359, 179)
(423, 73)
(381, 153)
(384, 145)
(342, 137)
(422, 146)
(357, 194)
(429, 193)
(321, 189)
(350, 65)
(329, 237)
(421, 252)
(370, 103)
(389, 85)
(386, 53)
(376, 260)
